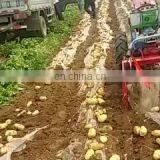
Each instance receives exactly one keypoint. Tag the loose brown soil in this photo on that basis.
(60, 113)
(123, 142)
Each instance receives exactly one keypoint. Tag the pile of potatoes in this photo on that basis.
(142, 131)
(9, 133)
(97, 141)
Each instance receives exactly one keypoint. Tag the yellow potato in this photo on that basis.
(3, 150)
(8, 121)
(102, 118)
(89, 154)
(19, 126)
(88, 126)
(9, 138)
(143, 131)
(11, 133)
(156, 155)
(96, 146)
(155, 109)
(101, 101)
(35, 113)
(3, 125)
(136, 130)
(103, 139)
(158, 141)
(156, 133)
(115, 157)
(92, 133)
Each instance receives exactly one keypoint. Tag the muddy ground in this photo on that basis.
(60, 113)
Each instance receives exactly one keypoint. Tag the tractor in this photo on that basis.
(143, 51)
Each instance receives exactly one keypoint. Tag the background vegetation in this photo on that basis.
(35, 53)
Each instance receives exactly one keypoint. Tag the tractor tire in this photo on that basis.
(121, 47)
(42, 32)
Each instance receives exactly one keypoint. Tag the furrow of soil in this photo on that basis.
(128, 146)
(59, 112)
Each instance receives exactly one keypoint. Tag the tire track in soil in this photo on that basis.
(129, 146)
(60, 112)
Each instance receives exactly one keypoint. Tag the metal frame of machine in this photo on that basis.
(144, 50)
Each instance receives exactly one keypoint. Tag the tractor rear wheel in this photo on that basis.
(121, 47)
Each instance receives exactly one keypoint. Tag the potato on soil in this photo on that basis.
(9, 138)
(3, 125)
(29, 103)
(92, 101)
(43, 98)
(11, 133)
(156, 133)
(158, 140)
(156, 155)
(19, 126)
(88, 126)
(155, 109)
(91, 133)
(35, 113)
(18, 110)
(103, 139)
(136, 130)
(115, 157)
(37, 87)
(143, 131)
(89, 154)
(8, 121)
(96, 146)
(3, 150)
(101, 101)
(102, 118)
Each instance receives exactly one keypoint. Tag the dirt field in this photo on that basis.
(61, 111)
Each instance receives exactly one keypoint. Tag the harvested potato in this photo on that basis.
(3, 125)
(96, 146)
(89, 154)
(143, 131)
(43, 98)
(103, 139)
(3, 150)
(136, 130)
(88, 126)
(92, 133)
(158, 141)
(98, 155)
(101, 91)
(17, 110)
(156, 133)
(115, 157)
(29, 113)
(8, 121)
(156, 155)
(35, 113)
(37, 87)
(29, 103)
(9, 138)
(11, 133)
(101, 101)
(92, 101)
(102, 118)
(19, 126)
(155, 109)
